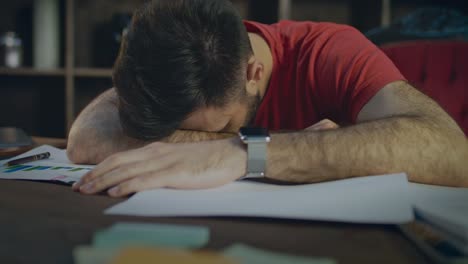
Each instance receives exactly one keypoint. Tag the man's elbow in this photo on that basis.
(76, 152)
(80, 149)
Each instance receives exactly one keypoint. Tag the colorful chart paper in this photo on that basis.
(55, 168)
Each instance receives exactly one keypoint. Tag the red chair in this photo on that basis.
(439, 69)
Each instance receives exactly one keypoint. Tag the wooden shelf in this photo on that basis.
(78, 72)
(31, 72)
(93, 72)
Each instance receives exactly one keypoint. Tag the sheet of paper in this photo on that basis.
(247, 254)
(444, 207)
(145, 234)
(373, 199)
(56, 168)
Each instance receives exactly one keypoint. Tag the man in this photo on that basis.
(191, 71)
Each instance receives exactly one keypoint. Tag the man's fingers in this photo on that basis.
(124, 173)
(111, 178)
(329, 125)
(109, 164)
(325, 124)
(143, 182)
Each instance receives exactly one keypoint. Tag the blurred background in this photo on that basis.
(56, 55)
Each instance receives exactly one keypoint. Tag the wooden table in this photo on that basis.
(42, 223)
(56, 142)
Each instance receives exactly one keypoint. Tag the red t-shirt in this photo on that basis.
(320, 70)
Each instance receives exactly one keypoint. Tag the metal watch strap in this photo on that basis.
(256, 159)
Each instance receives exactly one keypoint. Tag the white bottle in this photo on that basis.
(46, 45)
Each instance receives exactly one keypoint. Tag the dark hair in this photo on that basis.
(177, 56)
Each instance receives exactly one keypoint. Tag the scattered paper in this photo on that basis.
(250, 255)
(445, 209)
(56, 168)
(143, 234)
(374, 199)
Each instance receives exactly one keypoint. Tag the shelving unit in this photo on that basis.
(93, 72)
(30, 72)
(46, 102)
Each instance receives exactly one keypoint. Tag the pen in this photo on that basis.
(40, 156)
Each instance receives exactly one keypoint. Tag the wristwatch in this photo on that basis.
(256, 139)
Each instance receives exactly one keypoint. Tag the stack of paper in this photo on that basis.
(445, 209)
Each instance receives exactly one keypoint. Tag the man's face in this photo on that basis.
(223, 119)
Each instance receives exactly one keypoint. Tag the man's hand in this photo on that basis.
(325, 124)
(184, 165)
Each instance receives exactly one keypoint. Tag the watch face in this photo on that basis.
(254, 133)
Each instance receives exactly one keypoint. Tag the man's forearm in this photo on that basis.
(187, 136)
(427, 152)
(97, 133)
(98, 145)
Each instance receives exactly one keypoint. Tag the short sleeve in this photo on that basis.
(348, 71)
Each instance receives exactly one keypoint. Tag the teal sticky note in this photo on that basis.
(145, 234)
(247, 254)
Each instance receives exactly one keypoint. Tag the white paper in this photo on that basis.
(374, 199)
(445, 208)
(56, 168)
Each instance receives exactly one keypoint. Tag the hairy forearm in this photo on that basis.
(429, 151)
(187, 136)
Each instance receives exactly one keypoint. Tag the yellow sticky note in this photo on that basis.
(138, 255)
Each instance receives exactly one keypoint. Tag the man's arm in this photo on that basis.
(96, 134)
(400, 130)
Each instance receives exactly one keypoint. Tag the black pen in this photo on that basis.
(40, 156)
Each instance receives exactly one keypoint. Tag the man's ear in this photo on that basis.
(254, 75)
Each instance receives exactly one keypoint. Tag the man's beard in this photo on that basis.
(253, 102)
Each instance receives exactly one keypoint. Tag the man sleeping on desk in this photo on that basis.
(196, 89)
